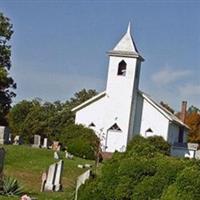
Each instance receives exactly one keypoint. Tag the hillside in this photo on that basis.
(27, 165)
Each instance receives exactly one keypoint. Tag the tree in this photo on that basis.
(193, 121)
(81, 96)
(17, 116)
(6, 82)
(165, 105)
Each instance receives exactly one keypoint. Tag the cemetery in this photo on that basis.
(118, 144)
(27, 165)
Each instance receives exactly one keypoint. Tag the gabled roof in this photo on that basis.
(89, 101)
(170, 116)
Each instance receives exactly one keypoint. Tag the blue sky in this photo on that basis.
(59, 47)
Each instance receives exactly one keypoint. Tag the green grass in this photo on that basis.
(27, 164)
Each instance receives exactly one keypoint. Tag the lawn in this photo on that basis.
(27, 165)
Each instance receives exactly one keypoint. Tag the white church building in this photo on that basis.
(122, 110)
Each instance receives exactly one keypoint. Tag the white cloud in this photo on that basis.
(169, 75)
(190, 89)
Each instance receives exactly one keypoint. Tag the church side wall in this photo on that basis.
(154, 120)
(173, 133)
(93, 113)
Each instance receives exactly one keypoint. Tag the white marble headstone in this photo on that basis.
(49, 185)
(45, 143)
(81, 180)
(57, 182)
(53, 180)
(56, 156)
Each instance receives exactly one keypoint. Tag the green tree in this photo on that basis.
(18, 115)
(6, 82)
(80, 97)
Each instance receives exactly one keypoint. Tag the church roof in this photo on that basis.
(89, 101)
(126, 46)
(170, 116)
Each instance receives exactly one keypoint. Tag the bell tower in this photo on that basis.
(122, 83)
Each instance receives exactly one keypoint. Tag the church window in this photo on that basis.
(91, 124)
(115, 127)
(122, 68)
(149, 130)
(180, 135)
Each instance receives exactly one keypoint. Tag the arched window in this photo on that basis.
(122, 68)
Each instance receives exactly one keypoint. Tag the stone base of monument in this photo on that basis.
(35, 146)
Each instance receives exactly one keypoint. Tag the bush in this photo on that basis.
(145, 172)
(80, 141)
(148, 147)
(188, 184)
(10, 187)
(160, 144)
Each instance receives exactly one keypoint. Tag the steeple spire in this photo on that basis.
(126, 43)
(129, 28)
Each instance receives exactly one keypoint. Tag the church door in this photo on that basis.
(115, 141)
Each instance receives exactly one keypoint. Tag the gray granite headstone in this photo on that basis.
(2, 157)
(4, 135)
(37, 141)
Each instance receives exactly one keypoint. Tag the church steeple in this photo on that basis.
(126, 46)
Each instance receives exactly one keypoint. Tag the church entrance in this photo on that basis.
(115, 141)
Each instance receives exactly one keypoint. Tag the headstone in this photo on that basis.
(45, 143)
(4, 135)
(56, 156)
(44, 179)
(88, 165)
(2, 157)
(10, 139)
(81, 180)
(53, 180)
(80, 166)
(57, 182)
(58, 147)
(68, 155)
(37, 141)
(18, 140)
(55, 145)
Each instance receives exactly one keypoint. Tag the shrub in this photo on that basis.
(188, 184)
(146, 172)
(11, 187)
(160, 144)
(80, 141)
